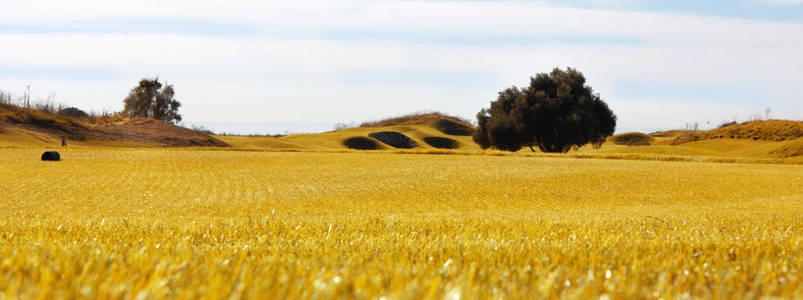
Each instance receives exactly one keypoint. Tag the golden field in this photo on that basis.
(187, 223)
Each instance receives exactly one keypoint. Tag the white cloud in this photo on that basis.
(781, 2)
(289, 72)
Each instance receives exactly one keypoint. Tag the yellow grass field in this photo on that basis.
(187, 223)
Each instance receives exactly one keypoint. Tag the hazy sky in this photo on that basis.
(658, 64)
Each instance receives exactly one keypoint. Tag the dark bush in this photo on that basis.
(394, 139)
(453, 128)
(441, 142)
(632, 139)
(361, 143)
(51, 156)
(73, 112)
(556, 112)
(726, 124)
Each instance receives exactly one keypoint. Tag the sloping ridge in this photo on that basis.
(137, 130)
(770, 130)
(789, 149)
(149, 130)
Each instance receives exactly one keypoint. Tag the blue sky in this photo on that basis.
(659, 64)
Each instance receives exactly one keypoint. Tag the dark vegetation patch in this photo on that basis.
(632, 139)
(394, 139)
(451, 127)
(726, 124)
(558, 111)
(51, 156)
(73, 112)
(441, 142)
(361, 143)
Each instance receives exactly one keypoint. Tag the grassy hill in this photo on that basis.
(23, 127)
(762, 141)
(728, 149)
(780, 140)
(770, 130)
(430, 131)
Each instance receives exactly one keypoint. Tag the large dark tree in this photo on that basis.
(556, 112)
(149, 99)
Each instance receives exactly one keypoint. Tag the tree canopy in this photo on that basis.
(150, 99)
(556, 112)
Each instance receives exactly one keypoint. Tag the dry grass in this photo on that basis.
(424, 118)
(770, 130)
(220, 224)
(793, 148)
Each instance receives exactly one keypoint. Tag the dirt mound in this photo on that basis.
(632, 139)
(792, 149)
(148, 130)
(13, 116)
(361, 143)
(394, 139)
(139, 130)
(441, 142)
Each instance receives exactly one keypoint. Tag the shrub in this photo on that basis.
(632, 139)
(361, 143)
(726, 124)
(453, 128)
(73, 112)
(394, 139)
(441, 142)
(149, 99)
(556, 112)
